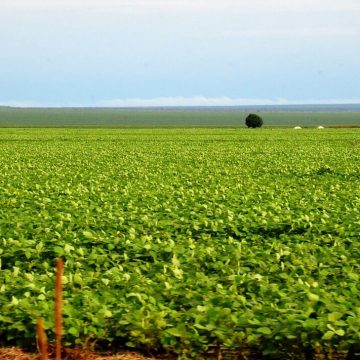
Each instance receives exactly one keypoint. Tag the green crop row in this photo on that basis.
(183, 240)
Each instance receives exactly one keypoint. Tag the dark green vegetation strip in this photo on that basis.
(124, 118)
(183, 240)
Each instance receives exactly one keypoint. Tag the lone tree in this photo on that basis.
(253, 121)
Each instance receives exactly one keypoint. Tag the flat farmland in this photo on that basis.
(183, 240)
(305, 116)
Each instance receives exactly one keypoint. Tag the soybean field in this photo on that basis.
(186, 241)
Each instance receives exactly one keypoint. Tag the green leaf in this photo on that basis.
(328, 335)
(264, 330)
(175, 332)
(88, 234)
(340, 332)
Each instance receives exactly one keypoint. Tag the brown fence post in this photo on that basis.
(43, 346)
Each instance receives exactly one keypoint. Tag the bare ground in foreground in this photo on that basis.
(73, 354)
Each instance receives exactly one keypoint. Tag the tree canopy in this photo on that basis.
(253, 121)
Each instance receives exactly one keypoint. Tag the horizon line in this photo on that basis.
(264, 105)
(179, 101)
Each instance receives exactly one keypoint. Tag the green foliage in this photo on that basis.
(253, 121)
(184, 240)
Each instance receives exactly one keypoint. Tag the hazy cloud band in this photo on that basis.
(182, 101)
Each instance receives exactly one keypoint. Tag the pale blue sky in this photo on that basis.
(178, 52)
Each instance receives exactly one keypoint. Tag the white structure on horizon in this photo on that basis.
(297, 127)
(320, 127)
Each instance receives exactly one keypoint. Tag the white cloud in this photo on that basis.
(29, 104)
(182, 101)
(306, 32)
(214, 101)
(196, 5)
